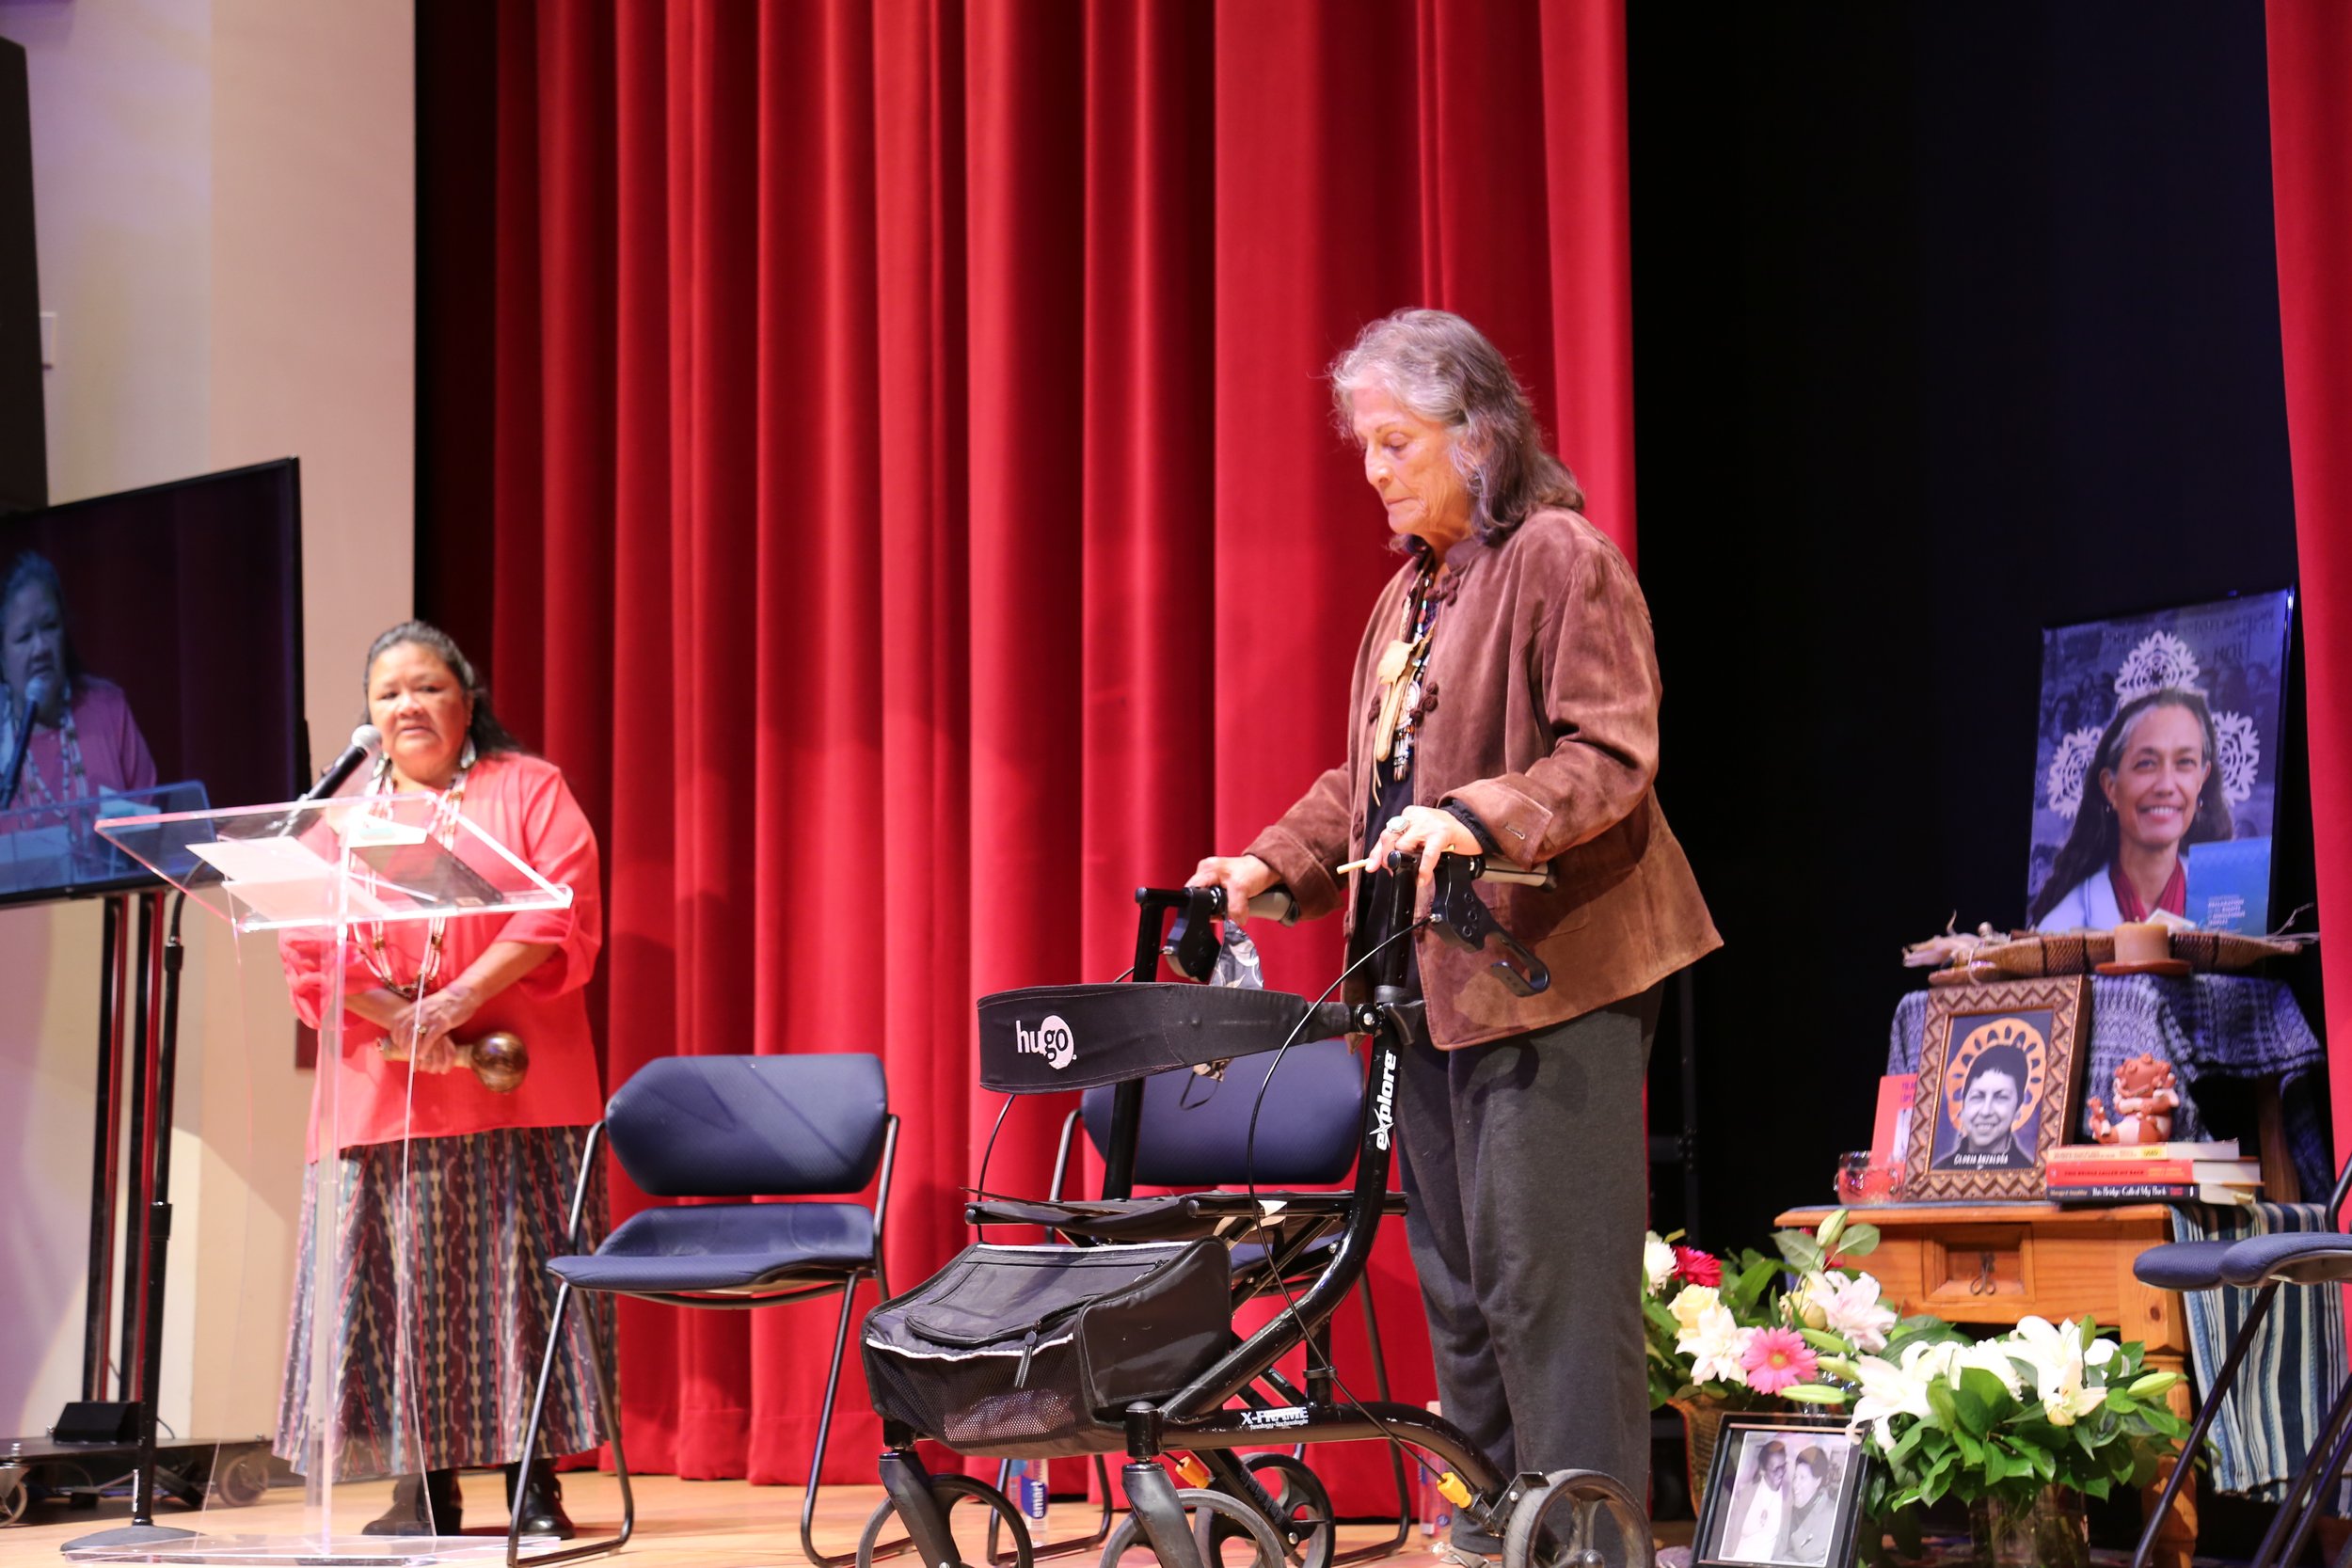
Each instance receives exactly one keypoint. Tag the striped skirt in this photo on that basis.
(445, 1305)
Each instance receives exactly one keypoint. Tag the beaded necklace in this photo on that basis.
(447, 807)
(1400, 676)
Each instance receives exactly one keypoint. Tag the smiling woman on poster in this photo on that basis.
(2157, 793)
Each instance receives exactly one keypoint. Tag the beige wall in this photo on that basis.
(224, 192)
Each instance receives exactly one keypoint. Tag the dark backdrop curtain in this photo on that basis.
(912, 517)
(2311, 162)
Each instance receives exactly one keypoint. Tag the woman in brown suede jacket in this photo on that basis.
(1505, 702)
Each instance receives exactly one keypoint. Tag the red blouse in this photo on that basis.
(523, 803)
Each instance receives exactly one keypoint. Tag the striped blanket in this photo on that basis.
(2292, 1373)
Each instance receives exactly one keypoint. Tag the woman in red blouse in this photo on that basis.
(473, 1187)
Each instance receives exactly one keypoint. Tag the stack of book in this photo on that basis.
(2139, 1173)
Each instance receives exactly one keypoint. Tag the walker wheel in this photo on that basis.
(947, 1491)
(1302, 1513)
(1578, 1519)
(240, 1479)
(1253, 1545)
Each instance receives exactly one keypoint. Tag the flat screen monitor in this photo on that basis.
(150, 661)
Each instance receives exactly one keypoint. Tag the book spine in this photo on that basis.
(2228, 1173)
(2169, 1192)
(2136, 1153)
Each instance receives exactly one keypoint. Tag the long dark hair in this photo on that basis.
(1446, 372)
(2091, 846)
(32, 569)
(490, 737)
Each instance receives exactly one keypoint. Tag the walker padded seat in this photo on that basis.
(727, 1246)
(1307, 1127)
(2293, 1257)
(2182, 1265)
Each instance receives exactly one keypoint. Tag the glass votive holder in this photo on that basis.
(1862, 1182)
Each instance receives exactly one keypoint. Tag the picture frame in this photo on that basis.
(2000, 1081)
(1808, 1517)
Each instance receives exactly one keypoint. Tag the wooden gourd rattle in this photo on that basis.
(500, 1059)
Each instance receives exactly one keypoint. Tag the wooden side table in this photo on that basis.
(1995, 1263)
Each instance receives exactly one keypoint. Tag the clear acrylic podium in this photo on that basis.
(332, 873)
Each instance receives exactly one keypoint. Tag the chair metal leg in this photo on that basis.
(2307, 1491)
(1375, 1550)
(824, 1431)
(2222, 1383)
(593, 1329)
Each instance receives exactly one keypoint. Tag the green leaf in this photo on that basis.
(1940, 1405)
(1990, 1392)
(2121, 1402)
(1860, 1240)
(1802, 1251)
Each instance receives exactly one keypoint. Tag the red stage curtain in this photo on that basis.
(2311, 177)
(919, 518)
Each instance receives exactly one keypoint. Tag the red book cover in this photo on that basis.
(1890, 1131)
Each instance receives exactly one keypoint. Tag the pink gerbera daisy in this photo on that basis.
(1698, 1268)
(1776, 1358)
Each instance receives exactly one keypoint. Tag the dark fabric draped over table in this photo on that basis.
(916, 519)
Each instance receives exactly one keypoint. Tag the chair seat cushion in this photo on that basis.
(727, 1246)
(2182, 1265)
(2291, 1257)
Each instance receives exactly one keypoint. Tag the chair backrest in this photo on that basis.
(1195, 1130)
(751, 1126)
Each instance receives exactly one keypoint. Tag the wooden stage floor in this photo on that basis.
(680, 1524)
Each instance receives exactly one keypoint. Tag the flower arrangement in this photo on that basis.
(2006, 1419)
(1731, 1332)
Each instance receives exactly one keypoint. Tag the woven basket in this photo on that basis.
(2034, 956)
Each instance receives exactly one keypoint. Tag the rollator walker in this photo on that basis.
(1122, 1335)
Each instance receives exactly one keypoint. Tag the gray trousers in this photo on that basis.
(1527, 1163)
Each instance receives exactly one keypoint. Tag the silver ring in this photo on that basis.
(1398, 824)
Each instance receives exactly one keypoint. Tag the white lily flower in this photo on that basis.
(2055, 1355)
(1892, 1389)
(1714, 1346)
(1846, 1306)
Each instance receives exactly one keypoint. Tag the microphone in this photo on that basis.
(36, 693)
(365, 741)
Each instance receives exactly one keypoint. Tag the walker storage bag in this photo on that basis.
(1036, 1350)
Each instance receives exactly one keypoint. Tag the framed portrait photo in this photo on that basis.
(2000, 1072)
(1786, 1492)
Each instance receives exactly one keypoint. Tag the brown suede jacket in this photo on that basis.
(1540, 713)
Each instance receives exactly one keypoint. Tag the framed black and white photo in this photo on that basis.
(1786, 1492)
(1999, 1080)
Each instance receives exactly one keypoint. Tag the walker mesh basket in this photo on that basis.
(1031, 1352)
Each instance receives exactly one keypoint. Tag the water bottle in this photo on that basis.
(1437, 1514)
(1025, 1483)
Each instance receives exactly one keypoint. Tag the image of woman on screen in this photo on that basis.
(1986, 1121)
(83, 741)
(473, 1186)
(2157, 794)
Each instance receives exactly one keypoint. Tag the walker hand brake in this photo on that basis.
(1457, 914)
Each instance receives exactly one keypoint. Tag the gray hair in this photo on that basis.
(1445, 370)
(488, 736)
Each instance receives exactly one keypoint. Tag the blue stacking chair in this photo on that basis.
(1194, 1133)
(737, 1128)
(2263, 1264)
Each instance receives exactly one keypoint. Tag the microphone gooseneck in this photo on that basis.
(36, 693)
(365, 741)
